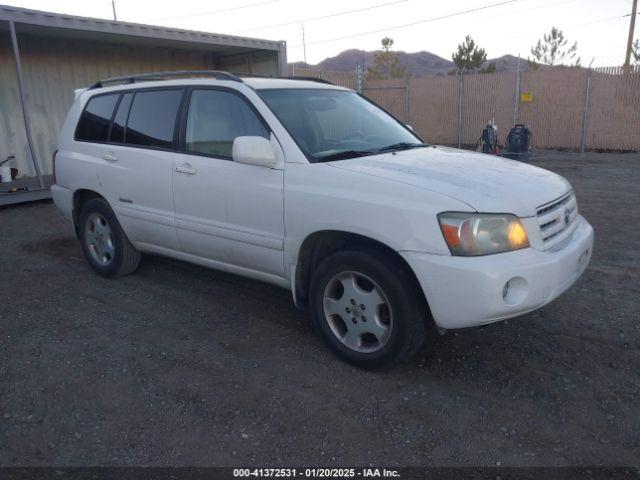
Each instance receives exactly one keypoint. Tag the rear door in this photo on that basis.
(226, 211)
(91, 141)
(137, 168)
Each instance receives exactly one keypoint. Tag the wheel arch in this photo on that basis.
(320, 244)
(80, 198)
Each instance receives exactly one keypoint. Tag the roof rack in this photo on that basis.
(308, 79)
(149, 77)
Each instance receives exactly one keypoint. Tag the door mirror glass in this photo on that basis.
(254, 150)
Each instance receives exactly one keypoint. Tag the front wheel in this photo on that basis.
(368, 308)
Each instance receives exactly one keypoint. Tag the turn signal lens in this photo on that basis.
(517, 235)
(470, 234)
(450, 233)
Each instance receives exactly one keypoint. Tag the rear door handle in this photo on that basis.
(186, 168)
(110, 157)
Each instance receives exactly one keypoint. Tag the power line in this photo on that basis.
(224, 10)
(331, 15)
(426, 20)
(578, 25)
(597, 21)
(539, 7)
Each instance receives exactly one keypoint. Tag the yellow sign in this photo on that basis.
(526, 97)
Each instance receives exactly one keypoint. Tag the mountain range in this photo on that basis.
(417, 64)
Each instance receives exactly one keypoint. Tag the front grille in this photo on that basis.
(556, 218)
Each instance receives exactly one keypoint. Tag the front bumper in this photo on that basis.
(470, 291)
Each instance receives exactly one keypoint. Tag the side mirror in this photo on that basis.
(254, 151)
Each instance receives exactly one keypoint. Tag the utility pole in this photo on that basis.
(113, 6)
(632, 25)
(304, 47)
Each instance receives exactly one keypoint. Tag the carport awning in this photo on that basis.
(56, 53)
(34, 21)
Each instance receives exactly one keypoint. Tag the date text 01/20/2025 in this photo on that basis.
(316, 472)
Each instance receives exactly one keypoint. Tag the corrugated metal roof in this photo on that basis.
(57, 20)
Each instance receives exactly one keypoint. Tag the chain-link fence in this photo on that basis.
(565, 108)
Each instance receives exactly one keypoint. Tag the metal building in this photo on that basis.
(45, 56)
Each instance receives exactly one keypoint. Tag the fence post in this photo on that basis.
(585, 113)
(516, 104)
(460, 97)
(359, 77)
(406, 100)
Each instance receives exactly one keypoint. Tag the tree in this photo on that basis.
(553, 49)
(386, 63)
(470, 58)
(635, 52)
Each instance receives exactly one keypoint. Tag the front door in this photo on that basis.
(226, 211)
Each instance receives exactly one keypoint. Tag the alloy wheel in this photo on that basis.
(99, 238)
(358, 311)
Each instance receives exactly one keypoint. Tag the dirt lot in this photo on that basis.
(180, 365)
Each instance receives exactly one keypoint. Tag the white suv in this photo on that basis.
(312, 187)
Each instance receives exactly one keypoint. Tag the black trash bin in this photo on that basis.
(518, 143)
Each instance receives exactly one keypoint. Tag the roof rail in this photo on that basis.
(308, 79)
(149, 77)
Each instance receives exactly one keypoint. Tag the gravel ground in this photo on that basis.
(180, 365)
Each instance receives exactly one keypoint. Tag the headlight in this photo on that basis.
(469, 234)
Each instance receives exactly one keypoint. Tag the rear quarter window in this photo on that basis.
(94, 122)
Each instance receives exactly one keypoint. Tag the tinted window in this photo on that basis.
(152, 118)
(94, 121)
(120, 120)
(215, 119)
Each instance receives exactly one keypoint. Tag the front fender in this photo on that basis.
(402, 217)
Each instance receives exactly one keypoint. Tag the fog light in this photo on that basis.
(515, 291)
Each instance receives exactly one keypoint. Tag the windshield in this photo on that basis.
(337, 124)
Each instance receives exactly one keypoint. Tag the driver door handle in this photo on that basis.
(110, 157)
(186, 168)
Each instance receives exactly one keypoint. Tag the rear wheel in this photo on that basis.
(368, 308)
(104, 243)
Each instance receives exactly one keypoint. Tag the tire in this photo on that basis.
(105, 245)
(380, 336)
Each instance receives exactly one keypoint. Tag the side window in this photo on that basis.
(152, 118)
(96, 118)
(120, 120)
(215, 119)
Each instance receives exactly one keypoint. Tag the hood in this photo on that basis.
(488, 183)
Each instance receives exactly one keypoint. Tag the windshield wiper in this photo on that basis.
(363, 153)
(345, 155)
(402, 146)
